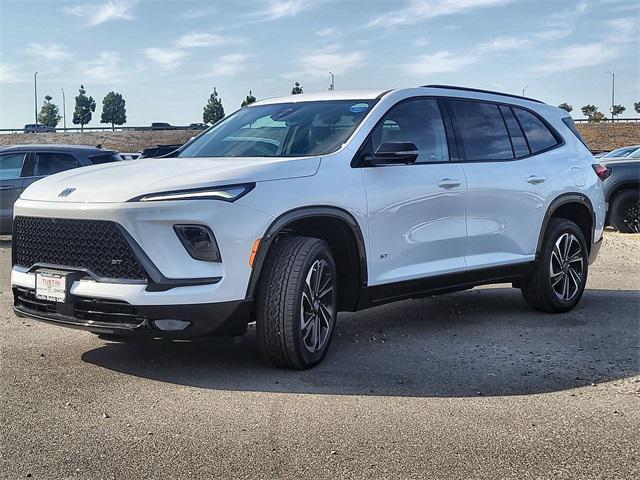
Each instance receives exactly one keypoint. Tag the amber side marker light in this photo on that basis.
(254, 252)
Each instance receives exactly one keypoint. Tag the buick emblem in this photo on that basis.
(66, 192)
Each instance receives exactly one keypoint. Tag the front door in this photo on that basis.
(416, 212)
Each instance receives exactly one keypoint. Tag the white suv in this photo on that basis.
(293, 209)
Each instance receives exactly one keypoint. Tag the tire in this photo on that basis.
(625, 211)
(560, 276)
(291, 307)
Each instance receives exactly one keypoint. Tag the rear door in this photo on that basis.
(11, 185)
(416, 212)
(509, 179)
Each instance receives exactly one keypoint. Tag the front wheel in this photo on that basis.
(296, 304)
(560, 276)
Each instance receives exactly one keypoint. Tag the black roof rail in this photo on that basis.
(468, 89)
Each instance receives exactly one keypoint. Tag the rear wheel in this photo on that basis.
(625, 211)
(561, 273)
(296, 303)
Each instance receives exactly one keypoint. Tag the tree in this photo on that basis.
(597, 117)
(49, 113)
(617, 110)
(565, 106)
(296, 89)
(589, 110)
(84, 106)
(213, 110)
(113, 110)
(636, 107)
(249, 100)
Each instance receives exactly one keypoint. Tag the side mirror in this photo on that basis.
(395, 153)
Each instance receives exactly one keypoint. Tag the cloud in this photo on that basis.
(107, 68)
(275, 9)
(445, 61)
(97, 13)
(500, 44)
(421, 42)
(419, 10)
(194, 40)
(167, 58)
(51, 52)
(326, 32)
(230, 64)
(199, 12)
(8, 74)
(578, 56)
(319, 63)
(561, 24)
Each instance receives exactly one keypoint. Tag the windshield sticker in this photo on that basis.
(359, 107)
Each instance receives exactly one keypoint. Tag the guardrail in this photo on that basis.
(608, 120)
(103, 129)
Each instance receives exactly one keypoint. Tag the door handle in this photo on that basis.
(535, 180)
(4, 188)
(448, 183)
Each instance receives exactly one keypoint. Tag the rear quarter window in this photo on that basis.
(538, 135)
(568, 121)
(104, 158)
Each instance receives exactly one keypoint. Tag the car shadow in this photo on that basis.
(480, 342)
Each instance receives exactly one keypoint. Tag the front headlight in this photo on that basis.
(227, 193)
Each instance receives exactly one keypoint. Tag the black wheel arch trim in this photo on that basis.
(299, 214)
(564, 199)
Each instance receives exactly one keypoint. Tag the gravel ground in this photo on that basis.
(466, 385)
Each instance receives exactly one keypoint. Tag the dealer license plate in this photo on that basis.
(51, 285)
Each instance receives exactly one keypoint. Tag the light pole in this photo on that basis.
(35, 97)
(333, 78)
(64, 111)
(524, 89)
(613, 92)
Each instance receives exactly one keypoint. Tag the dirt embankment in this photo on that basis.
(127, 141)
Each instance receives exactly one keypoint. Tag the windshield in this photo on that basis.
(282, 130)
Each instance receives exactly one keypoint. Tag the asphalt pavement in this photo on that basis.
(467, 385)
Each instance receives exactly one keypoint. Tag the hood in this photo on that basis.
(121, 181)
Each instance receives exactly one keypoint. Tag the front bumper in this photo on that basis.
(126, 320)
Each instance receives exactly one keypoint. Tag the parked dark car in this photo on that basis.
(159, 150)
(33, 128)
(197, 126)
(161, 126)
(622, 192)
(622, 152)
(21, 165)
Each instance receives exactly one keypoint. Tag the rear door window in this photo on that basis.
(538, 135)
(50, 163)
(11, 165)
(482, 130)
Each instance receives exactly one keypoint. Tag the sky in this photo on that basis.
(166, 56)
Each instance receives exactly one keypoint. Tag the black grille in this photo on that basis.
(94, 245)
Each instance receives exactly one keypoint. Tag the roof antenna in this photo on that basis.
(103, 140)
